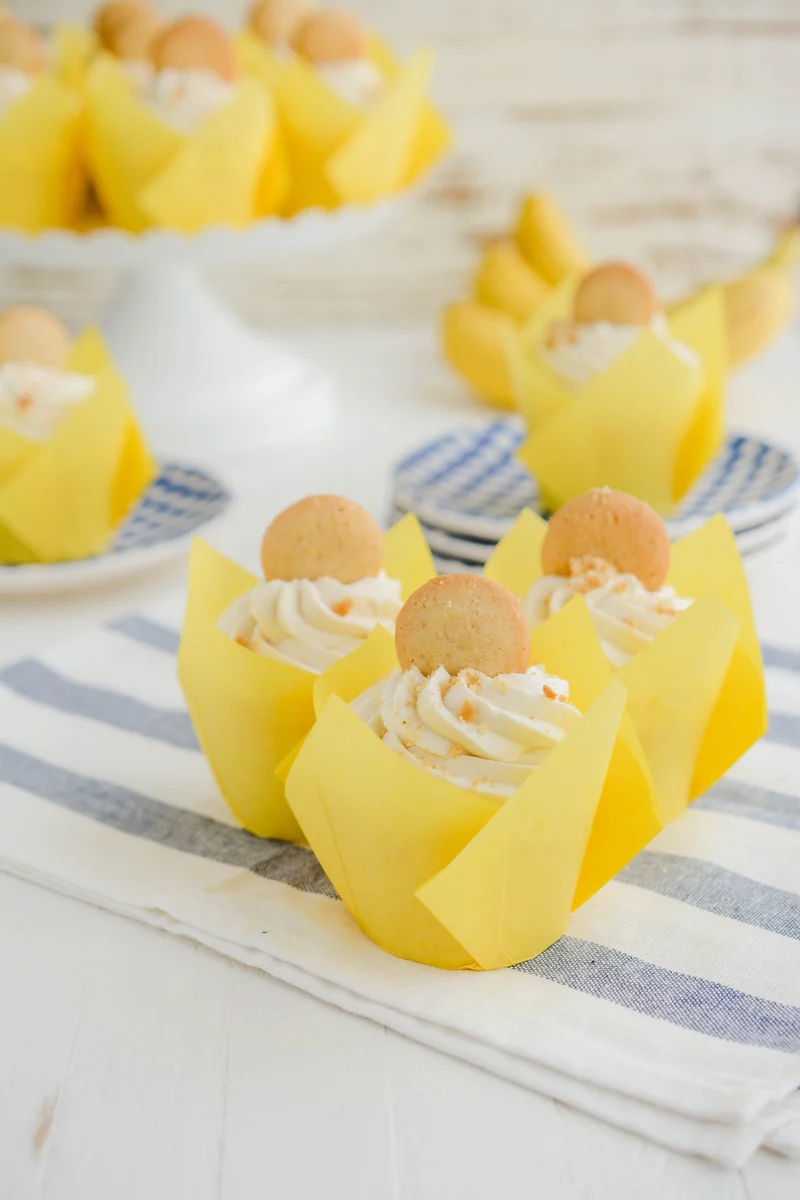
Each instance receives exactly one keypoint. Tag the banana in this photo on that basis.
(546, 239)
(506, 282)
(759, 303)
(474, 341)
(757, 306)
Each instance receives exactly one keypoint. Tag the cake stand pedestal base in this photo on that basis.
(203, 383)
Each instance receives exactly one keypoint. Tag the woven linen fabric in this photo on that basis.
(670, 1008)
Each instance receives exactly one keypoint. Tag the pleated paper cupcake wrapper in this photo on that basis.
(41, 177)
(339, 154)
(147, 174)
(249, 711)
(696, 693)
(447, 876)
(646, 425)
(64, 498)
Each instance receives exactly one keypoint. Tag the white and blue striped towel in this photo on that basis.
(671, 1007)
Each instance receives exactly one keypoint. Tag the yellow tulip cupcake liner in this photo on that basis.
(147, 174)
(249, 711)
(41, 174)
(648, 424)
(446, 876)
(339, 154)
(696, 693)
(63, 499)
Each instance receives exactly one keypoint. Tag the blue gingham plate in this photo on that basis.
(176, 506)
(468, 487)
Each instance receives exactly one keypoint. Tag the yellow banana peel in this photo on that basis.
(475, 343)
(504, 280)
(547, 240)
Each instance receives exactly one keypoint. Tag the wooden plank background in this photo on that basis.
(667, 128)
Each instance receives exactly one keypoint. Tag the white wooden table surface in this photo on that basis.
(135, 1066)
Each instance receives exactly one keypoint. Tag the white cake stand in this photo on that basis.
(204, 384)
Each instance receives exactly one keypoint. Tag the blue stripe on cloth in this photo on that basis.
(39, 683)
(753, 803)
(149, 633)
(686, 1000)
(781, 656)
(784, 728)
(698, 1004)
(140, 816)
(716, 890)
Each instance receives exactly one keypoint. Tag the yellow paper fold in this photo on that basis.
(73, 49)
(439, 874)
(249, 711)
(341, 154)
(148, 174)
(648, 425)
(63, 499)
(41, 177)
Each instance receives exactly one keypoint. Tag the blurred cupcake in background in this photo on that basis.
(333, 42)
(73, 459)
(41, 182)
(125, 29)
(181, 141)
(274, 22)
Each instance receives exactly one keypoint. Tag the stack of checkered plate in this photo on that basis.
(467, 488)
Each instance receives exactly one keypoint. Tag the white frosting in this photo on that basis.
(478, 732)
(312, 623)
(139, 70)
(13, 86)
(34, 400)
(358, 80)
(625, 614)
(184, 99)
(579, 352)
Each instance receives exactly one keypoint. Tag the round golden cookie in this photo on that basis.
(276, 20)
(463, 622)
(323, 536)
(33, 335)
(194, 43)
(21, 47)
(611, 525)
(126, 28)
(331, 35)
(617, 293)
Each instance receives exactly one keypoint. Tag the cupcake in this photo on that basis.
(358, 125)
(41, 182)
(453, 800)
(334, 44)
(72, 458)
(484, 726)
(126, 29)
(674, 621)
(254, 652)
(181, 141)
(614, 394)
(324, 587)
(612, 304)
(274, 22)
(613, 550)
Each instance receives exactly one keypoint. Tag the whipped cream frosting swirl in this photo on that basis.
(357, 80)
(578, 352)
(34, 400)
(478, 732)
(312, 623)
(14, 84)
(625, 614)
(183, 99)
